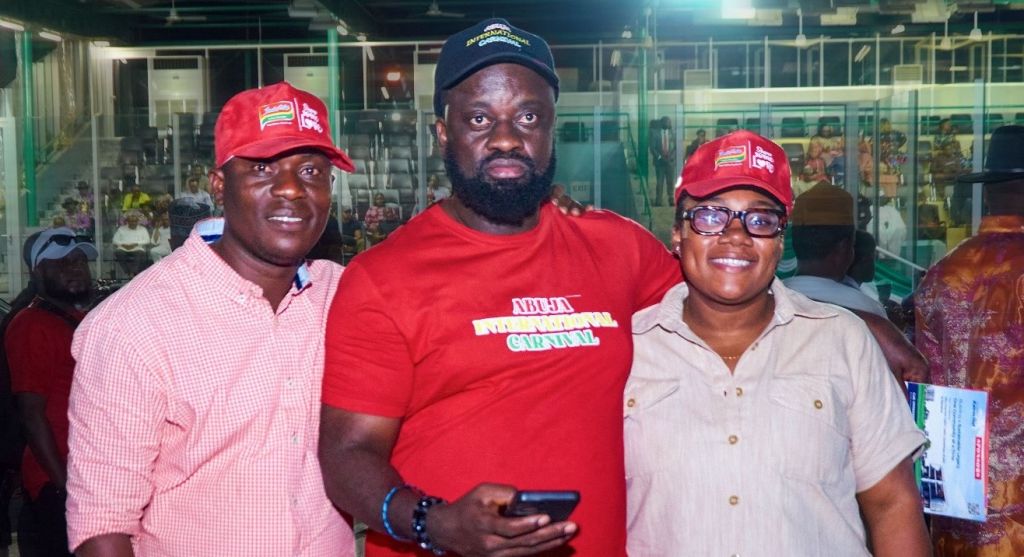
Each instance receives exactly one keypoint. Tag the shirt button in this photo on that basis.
(739, 391)
(631, 402)
(818, 404)
(733, 439)
(290, 382)
(240, 298)
(734, 500)
(295, 439)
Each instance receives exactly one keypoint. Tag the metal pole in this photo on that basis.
(28, 134)
(333, 96)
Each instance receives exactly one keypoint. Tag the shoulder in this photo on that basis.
(31, 322)
(604, 226)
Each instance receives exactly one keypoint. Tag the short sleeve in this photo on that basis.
(882, 427)
(656, 269)
(367, 367)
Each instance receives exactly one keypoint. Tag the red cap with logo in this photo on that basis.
(263, 123)
(741, 158)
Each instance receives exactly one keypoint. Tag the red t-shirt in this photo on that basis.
(38, 345)
(505, 356)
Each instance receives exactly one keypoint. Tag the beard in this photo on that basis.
(58, 291)
(508, 201)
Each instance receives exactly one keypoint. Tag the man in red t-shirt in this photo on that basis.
(38, 347)
(484, 346)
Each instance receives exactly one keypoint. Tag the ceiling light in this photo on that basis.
(369, 53)
(862, 53)
(384, 93)
(975, 32)
(945, 43)
(738, 9)
(627, 33)
(899, 28)
(101, 44)
(11, 25)
(361, 37)
(342, 28)
(50, 36)
(393, 76)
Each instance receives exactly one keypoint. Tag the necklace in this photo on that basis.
(730, 358)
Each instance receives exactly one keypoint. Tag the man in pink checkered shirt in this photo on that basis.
(195, 405)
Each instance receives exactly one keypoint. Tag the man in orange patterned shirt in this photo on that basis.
(970, 319)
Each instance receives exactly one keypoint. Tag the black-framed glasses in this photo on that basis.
(707, 220)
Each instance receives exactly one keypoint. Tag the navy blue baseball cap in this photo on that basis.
(491, 41)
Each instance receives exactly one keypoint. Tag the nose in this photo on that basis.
(504, 137)
(288, 184)
(735, 233)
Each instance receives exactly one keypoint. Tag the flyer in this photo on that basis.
(952, 473)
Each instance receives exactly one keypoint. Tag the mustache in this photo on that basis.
(511, 155)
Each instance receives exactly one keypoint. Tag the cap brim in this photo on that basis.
(275, 146)
(57, 251)
(707, 188)
(990, 177)
(547, 73)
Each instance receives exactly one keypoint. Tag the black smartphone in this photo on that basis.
(556, 504)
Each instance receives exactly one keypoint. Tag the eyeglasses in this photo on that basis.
(758, 223)
(59, 239)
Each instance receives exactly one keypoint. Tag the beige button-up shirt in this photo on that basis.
(767, 460)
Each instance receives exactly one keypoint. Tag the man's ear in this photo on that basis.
(441, 129)
(216, 177)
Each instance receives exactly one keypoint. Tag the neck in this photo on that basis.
(706, 318)
(469, 218)
(62, 304)
(274, 280)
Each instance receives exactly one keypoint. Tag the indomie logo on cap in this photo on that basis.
(273, 114)
(731, 156)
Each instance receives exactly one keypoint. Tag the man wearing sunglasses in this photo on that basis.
(38, 347)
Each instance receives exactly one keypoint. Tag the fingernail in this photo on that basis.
(569, 529)
(543, 520)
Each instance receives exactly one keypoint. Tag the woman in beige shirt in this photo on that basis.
(757, 421)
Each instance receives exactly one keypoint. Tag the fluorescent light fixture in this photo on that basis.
(975, 32)
(342, 28)
(101, 44)
(369, 52)
(50, 36)
(393, 76)
(396, 117)
(627, 33)
(862, 53)
(361, 37)
(384, 93)
(738, 9)
(843, 16)
(11, 25)
(899, 28)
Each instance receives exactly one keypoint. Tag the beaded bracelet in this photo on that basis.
(419, 524)
(384, 511)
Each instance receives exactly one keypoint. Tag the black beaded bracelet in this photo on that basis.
(419, 524)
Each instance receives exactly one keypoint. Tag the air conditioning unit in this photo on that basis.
(176, 84)
(907, 74)
(697, 79)
(308, 72)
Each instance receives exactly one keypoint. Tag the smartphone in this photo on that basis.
(556, 504)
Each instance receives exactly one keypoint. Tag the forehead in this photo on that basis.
(743, 195)
(505, 82)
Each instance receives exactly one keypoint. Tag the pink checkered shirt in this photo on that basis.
(195, 412)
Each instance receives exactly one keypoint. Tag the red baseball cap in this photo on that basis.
(262, 123)
(741, 158)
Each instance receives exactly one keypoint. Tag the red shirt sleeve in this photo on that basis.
(656, 269)
(367, 368)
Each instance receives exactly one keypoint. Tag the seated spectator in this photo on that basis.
(78, 216)
(161, 238)
(59, 221)
(375, 213)
(435, 191)
(815, 159)
(828, 140)
(806, 180)
(135, 199)
(391, 220)
(352, 239)
(195, 193)
(892, 230)
(700, 139)
(130, 243)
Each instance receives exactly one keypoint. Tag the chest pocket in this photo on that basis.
(653, 412)
(810, 435)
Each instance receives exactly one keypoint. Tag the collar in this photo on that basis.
(208, 231)
(1001, 224)
(788, 305)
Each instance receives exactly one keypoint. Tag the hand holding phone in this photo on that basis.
(558, 505)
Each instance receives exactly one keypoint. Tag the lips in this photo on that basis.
(506, 168)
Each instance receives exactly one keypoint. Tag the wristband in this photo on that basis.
(384, 511)
(419, 524)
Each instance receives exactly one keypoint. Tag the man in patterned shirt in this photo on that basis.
(195, 404)
(970, 323)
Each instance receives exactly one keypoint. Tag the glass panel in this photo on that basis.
(783, 65)
(732, 71)
(837, 69)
